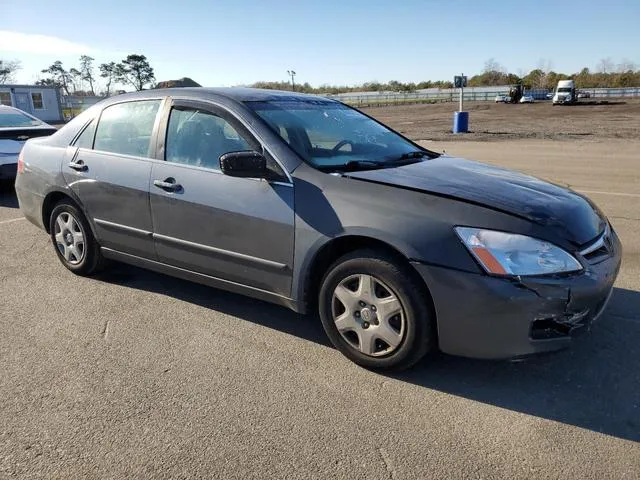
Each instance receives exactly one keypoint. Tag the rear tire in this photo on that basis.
(375, 311)
(73, 240)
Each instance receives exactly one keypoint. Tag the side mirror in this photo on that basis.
(246, 164)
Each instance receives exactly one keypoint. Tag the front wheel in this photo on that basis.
(73, 240)
(375, 311)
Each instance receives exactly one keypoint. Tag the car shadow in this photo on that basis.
(262, 313)
(8, 196)
(593, 385)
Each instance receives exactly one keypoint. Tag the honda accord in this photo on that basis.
(306, 202)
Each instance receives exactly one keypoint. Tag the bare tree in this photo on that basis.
(605, 65)
(544, 65)
(492, 65)
(8, 69)
(626, 65)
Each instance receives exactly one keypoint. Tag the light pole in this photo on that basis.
(292, 74)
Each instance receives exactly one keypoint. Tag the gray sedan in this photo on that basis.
(306, 202)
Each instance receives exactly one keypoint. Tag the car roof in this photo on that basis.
(238, 94)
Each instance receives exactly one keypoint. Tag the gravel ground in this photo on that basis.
(137, 375)
(489, 121)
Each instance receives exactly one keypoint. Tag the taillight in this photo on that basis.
(21, 161)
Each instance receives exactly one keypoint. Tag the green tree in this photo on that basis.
(75, 78)
(108, 71)
(86, 71)
(58, 76)
(136, 71)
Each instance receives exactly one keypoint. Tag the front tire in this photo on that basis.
(73, 240)
(375, 311)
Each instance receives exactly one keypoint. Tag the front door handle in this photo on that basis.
(79, 166)
(168, 184)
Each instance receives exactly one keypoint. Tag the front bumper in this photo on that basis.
(481, 316)
(8, 171)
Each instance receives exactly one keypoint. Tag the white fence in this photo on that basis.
(372, 99)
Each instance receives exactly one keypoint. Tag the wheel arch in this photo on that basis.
(52, 198)
(330, 251)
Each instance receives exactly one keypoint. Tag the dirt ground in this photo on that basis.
(488, 121)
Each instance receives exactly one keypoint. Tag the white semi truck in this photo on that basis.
(565, 93)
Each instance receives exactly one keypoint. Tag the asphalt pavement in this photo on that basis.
(133, 374)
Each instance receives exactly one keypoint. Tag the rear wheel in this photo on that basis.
(73, 240)
(375, 311)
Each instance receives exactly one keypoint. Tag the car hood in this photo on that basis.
(567, 212)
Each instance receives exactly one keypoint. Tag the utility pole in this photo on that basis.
(292, 74)
(462, 93)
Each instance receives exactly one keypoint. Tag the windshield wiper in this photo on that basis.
(407, 158)
(410, 155)
(352, 166)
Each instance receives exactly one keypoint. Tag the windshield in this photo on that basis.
(564, 89)
(17, 119)
(330, 135)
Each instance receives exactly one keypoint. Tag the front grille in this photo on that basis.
(600, 248)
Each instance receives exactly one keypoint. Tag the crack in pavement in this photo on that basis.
(105, 330)
(387, 462)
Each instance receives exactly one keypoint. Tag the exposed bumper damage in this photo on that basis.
(488, 317)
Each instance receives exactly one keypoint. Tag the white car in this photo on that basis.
(527, 99)
(501, 98)
(16, 127)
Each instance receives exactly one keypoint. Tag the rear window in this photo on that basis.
(14, 118)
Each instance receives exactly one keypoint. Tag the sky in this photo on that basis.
(344, 42)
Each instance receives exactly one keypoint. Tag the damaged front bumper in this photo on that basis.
(489, 317)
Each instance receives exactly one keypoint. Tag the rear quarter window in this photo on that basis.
(85, 139)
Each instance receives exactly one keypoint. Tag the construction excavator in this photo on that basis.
(515, 93)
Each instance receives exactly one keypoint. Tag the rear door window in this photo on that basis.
(126, 128)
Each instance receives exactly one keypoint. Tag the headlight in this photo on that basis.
(503, 253)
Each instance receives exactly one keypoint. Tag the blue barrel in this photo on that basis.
(460, 122)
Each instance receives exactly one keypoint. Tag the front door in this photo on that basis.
(235, 229)
(110, 175)
(22, 101)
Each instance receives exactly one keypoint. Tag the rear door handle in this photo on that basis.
(79, 166)
(168, 184)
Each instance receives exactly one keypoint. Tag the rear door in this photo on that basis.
(110, 174)
(236, 229)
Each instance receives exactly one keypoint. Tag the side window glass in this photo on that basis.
(126, 128)
(199, 138)
(85, 140)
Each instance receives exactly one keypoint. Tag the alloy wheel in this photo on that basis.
(368, 315)
(69, 238)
